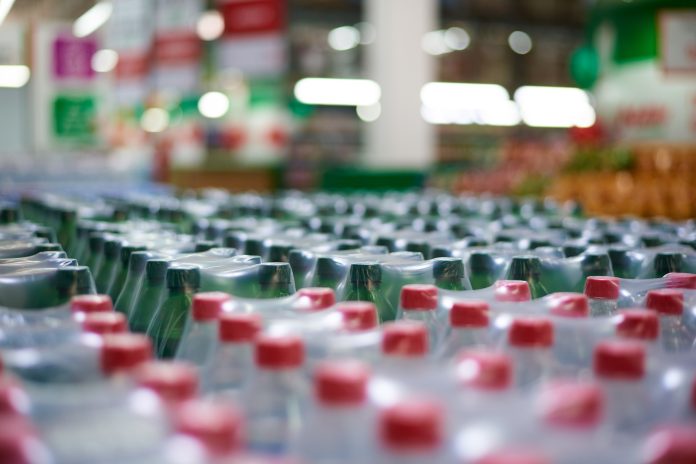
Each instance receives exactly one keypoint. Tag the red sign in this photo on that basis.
(176, 47)
(247, 17)
(132, 65)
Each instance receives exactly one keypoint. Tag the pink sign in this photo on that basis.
(72, 58)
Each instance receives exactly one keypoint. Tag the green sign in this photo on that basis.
(74, 118)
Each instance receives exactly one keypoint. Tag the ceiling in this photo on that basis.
(27, 10)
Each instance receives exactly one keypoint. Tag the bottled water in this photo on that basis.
(469, 327)
(217, 427)
(603, 294)
(669, 304)
(639, 324)
(172, 382)
(102, 323)
(315, 299)
(511, 291)
(529, 343)
(419, 303)
(358, 316)
(200, 335)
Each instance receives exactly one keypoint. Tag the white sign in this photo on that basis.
(678, 40)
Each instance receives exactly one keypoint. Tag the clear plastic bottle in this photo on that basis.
(639, 324)
(201, 332)
(171, 318)
(671, 444)
(172, 382)
(669, 304)
(603, 294)
(102, 323)
(515, 455)
(87, 304)
(233, 359)
(274, 397)
(511, 291)
(469, 328)
(134, 281)
(530, 341)
(314, 299)
(419, 303)
(412, 432)
(217, 427)
(619, 367)
(358, 315)
(338, 428)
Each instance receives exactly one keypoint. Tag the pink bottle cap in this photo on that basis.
(469, 314)
(405, 339)
(418, 297)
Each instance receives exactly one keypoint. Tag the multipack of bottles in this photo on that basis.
(218, 328)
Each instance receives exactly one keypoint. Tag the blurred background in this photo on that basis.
(578, 99)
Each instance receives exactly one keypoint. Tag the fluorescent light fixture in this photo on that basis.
(5, 7)
(433, 43)
(456, 38)
(555, 106)
(501, 114)
(338, 92)
(455, 95)
(210, 25)
(344, 38)
(14, 76)
(93, 19)
(214, 105)
(369, 113)
(104, 60)
(154, 120)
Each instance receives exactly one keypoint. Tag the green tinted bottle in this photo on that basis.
(666, 262)
(528, 268)
(114, 289)
(96, 249)
(275, 280)
(483, 269)
(169, 321)
(71, 281)
(301, 263)
(106, 273)
(150, 295)
(133, 283)
(328, 273)
(449, 274)
(366, 285)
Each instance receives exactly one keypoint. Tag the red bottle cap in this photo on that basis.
(18, 441)
(91, 304)
(317, 298)
(640, 324)
(412, 425)
(239, 327)
(341, 383)
(572, 404)
(173, 382)
(569, 304)
(405, 338)
(105, 323)
(515, 456)
(674, 444)
(418, 297)
(531, 333)
(469, 313)
(123, 352)
(666, 301)
(512, 291)
(619, 359)
(279, 352)
(208, 306)
(485, 370)
(693, 395)
(358, 315)
(13, 399)
(218, 427)
(602, 287)
(681, 280)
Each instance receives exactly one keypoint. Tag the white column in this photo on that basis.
(400, 138)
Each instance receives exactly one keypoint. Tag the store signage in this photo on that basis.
(243, 17)
(74, 117)
(72, 57)
(678, 40)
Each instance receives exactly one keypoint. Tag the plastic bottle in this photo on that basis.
(412, 431)
(603, 294)
(528, 268)
(639, 324)
(87, 304)
(619, 367)
(328, 273)
(96, 249)
(301, 262)
(119, 281)
(150, 296)
(405, 347)
(275, 396)
(217, 427)
(483, 270)
(134, 281)
(669, 304)
(102, 323)
(511, 291)
(71, 281)
(337, 429)
(109, 266)
(671, 444)
(233, 359)
(366, 285)
(314, 299)
(200, 334)
(170, 319)
(172, 382)
(529, 343)
(275, 280)
(449, 274)
(358, 316)
(419, 303)
(516, 455)
(469, 328)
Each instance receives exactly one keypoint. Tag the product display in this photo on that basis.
(353, 329)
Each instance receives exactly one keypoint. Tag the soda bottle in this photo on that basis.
(72, 281)
(150, 296)
(275, 280)
(336, 429)
(669, 304)
(483, 270)
(233, 359)
(276, 393)
(109, 266)
(365, 285)
(301, 262)
(96, 249)
(469, 328)
(119, 281)
(170, 319)
(528, 268)
(449, 274)
(200, 334)
(603, 295)
(328, 273)
(279, 252)
(133, 283)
